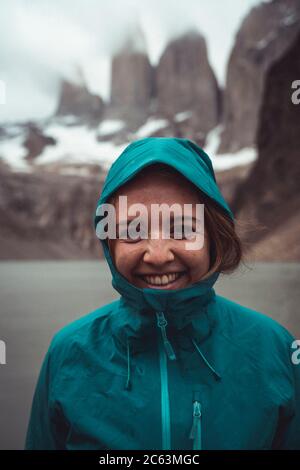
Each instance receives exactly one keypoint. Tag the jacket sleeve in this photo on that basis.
(288, 431)
(42, 428)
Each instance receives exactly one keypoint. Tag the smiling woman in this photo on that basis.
(166, 263)
(170, 364)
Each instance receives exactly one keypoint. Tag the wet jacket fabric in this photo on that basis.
(167, 369)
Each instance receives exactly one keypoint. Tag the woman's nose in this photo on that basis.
(158, 252)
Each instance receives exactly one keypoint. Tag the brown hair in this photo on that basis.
(226, 250)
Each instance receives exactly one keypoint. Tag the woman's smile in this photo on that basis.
(168, 280)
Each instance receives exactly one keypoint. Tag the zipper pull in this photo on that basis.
(195, 433)
(162, 323)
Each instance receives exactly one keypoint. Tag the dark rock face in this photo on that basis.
(182, 82)
(131, 84)
(265, 34)
(270, 196)
(36, 141)
(136, 90)
(48, 216)
(185, 81)
(132, 80)
(75, 99)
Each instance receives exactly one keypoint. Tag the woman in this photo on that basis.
(170, 365)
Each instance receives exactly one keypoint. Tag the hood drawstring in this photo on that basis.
(128, 380)
(216, 374)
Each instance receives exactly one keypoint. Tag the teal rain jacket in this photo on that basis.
(178, 369)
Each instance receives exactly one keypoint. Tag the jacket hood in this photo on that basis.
(185, 307)
(194, 164)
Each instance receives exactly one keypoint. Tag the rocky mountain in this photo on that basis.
(76, 100)
(35, 141)
(181, 89)
(178, 97)
(132, 81)
(48, 216)
(268, 201)
(185, 81)
(265, 34)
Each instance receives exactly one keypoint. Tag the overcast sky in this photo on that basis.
(42, 40)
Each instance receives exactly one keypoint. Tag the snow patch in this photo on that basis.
(290, 19)
(225, 161)
(264, 42)
(77, 144)
(67, 120)
(110, 126)
(152, 125)
(13, 153)
(183, 116)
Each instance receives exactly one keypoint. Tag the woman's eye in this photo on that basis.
(134, 238)
(181, 232)
(178, 232)
(131, 236)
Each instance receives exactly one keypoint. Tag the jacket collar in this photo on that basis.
(187, 312)
(140, 326)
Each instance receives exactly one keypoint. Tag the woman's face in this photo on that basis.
(159, 263)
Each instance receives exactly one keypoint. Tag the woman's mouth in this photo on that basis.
(162, 281)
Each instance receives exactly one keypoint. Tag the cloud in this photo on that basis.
(43, 40)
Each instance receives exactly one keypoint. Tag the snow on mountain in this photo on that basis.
(110, 126)
(152, 125)
(226, 161)
(79, 145)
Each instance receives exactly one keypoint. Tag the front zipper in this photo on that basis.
(162, 323)
(165, 349)
(195, 433)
